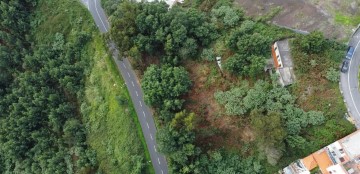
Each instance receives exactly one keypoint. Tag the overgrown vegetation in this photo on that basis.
(347, 20)
(55, 113)
(110, 117)
(318, 79)
(41, 131)
(239, 112)
(110, 5)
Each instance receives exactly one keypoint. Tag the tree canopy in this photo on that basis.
(40, 130)
(274, 116)
(153, 29)
(14, 43)
(163, 85)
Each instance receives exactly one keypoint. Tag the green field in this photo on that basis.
(112, 127)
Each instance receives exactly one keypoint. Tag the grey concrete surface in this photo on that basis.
(144, 113)
(349, 82)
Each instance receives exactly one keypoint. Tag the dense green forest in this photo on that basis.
(191, 95)
(40, 127)
(14, 42)
(54, 109)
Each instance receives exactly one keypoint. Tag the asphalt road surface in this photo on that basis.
(143, 112)
(349, 82)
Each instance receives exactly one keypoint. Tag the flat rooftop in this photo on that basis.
(287, 75)
(353, 166)
(323, 160)
(284, 67)
(284, 50)
(351, 144)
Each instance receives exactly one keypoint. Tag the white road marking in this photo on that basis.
(136, 93)
(100, 17)
(124, 65)
(352, 98)
(162, 172)
(140, 103)
(147, 124)
(132, 83)
(128, 74)
(155, 148)
(144, 114)
(87, 4)
(159, 160)
(151, 138)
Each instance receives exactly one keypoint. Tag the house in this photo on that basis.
(296, 167)
(340, 157)
(282, 62)
(169, 2)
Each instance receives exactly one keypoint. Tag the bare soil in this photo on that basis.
(306, 15)
(215, 129)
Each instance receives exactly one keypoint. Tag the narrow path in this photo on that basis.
(143, 112)
(349, 82)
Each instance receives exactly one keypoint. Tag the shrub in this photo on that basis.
(208, 54)
(332, 75)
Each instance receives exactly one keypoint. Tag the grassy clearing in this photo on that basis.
(61, 17)
(111, 119)
(346, 19)
(113, 128)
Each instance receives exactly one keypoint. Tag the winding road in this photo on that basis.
(349, 82)
(349, 85)
(143, 112)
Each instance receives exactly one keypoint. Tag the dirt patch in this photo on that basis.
(215, 129)
(306, 15)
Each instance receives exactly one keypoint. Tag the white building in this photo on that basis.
(340, 157)
(169, 2)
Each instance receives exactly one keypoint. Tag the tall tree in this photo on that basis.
(163, 86)
(270, 134)
(233, 100)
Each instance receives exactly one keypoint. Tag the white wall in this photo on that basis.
(169, 2)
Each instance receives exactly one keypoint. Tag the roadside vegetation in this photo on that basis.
(63, 105)
(110, 5)
(236, 119)
(317, 63)
(113, 129)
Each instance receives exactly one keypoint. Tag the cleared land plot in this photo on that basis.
(335, 18)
